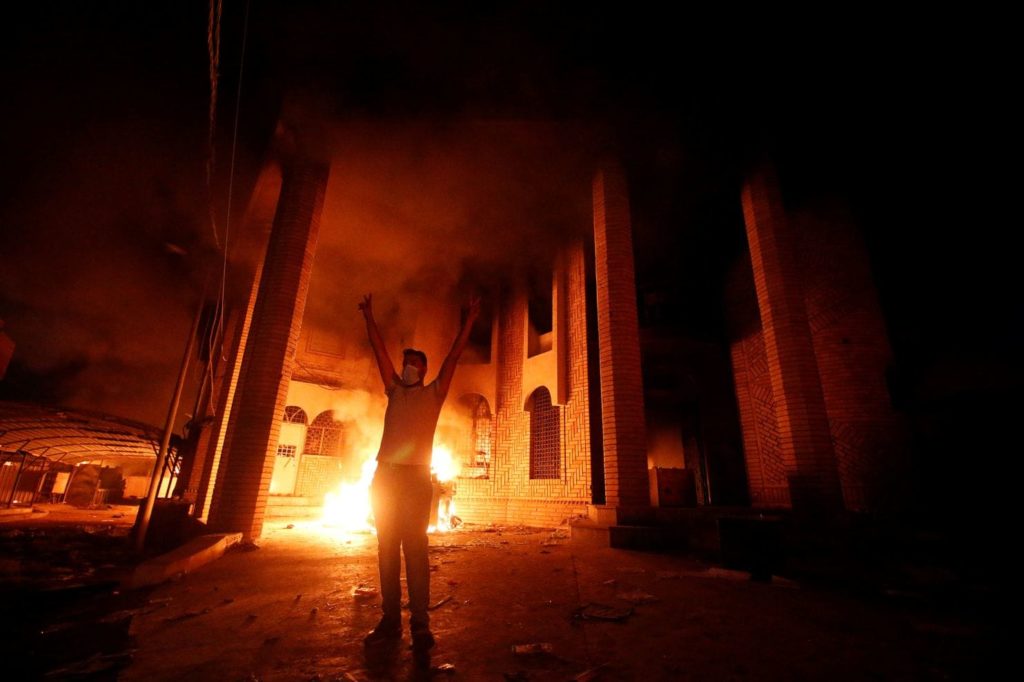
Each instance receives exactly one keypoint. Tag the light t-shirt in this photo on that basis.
(409, 423)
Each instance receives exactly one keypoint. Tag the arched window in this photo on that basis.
(482, 434)
(544, 435)
(293, 414)
(325, 435)
(474, 436)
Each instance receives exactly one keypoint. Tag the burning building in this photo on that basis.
(578, 396)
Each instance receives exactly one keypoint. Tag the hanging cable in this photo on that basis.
(213, 49)
(216, 335)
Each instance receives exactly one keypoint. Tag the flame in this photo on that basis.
(442, 464)
(348, 509)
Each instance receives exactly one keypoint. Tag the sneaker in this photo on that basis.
(422, 639)
(385, 631)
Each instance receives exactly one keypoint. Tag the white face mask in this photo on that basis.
(410, 375)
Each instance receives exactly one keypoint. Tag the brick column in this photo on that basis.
(622, 396)
(241, 495)
(804, 439)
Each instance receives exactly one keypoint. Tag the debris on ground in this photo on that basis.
(440, 603)
(595, 611)
(636, 597)
(727, 573)
(444, 668)
(289, 526)
(187, 615)
(591, 674)
(364, 592)
(532, 648)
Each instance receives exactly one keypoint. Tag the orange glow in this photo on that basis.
(348, 508)
(442, 464)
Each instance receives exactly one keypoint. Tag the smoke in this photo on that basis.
(426, 213)
(362, 413)
(104, 257)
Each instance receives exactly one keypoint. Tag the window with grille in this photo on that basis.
(544, 438)
(325, 435)
(473, 440)
(482, 434)
(286, 451)
(293, 414)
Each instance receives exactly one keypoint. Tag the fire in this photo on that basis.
(443, 465)
(348, 508)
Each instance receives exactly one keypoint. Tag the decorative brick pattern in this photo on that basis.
(766, 471)
(852, 351)
(241, 496)
(509, 495)
(804, 438)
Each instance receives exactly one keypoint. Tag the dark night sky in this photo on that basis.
(105, 236)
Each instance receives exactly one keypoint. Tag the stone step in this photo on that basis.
(293, 507)
(294, 501)
(629, 537)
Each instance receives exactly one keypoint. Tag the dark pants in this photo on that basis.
(401, 498)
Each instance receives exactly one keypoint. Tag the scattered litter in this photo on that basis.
(440, 603)
(435, 567)
(271, 641)
(51, 629)
(226, 601)
(298, 597)
(636, 597)
(563, 534)
(187, 615)
(453, 583)
(610, 583)
(250, 618)
(445, 668)
(603, 612)
(727, 573)
(312, 612)
(364, 592)
(669, 575)
(534, 648)
(119, 615)
(551, 543)
(289, 526)
(591, 674)
(97, 663)
(545, 551)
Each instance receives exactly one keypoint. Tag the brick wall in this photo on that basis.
(622, 406)
(853, 353)
(509, 496)
(242, 489)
